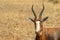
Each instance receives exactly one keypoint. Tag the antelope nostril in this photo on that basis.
(36, 32)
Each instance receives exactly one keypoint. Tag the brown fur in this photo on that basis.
(49, 34)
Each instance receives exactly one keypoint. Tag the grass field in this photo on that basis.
(15, 14)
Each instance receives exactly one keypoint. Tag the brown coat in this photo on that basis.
(49, 34)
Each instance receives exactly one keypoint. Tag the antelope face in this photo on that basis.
(38, 28)
(38, 21)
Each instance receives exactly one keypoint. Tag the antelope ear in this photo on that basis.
(31, 19)
(45, 19)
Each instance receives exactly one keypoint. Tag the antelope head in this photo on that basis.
(38, 20)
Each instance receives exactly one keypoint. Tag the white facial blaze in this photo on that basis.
(37, 26)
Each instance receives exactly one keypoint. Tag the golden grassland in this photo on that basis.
(15, 14)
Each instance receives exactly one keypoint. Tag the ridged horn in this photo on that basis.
(41, 11)
(33, 12)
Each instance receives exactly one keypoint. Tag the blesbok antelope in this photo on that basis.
(43, 33)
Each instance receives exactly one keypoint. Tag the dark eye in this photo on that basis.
(40, 21)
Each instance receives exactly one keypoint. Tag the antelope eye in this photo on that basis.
(41, 21)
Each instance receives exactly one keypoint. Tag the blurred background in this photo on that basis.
(15, 14)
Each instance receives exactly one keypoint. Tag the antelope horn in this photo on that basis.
(41, 11)
(33, 12)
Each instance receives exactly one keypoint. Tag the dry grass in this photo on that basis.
(14, 14)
